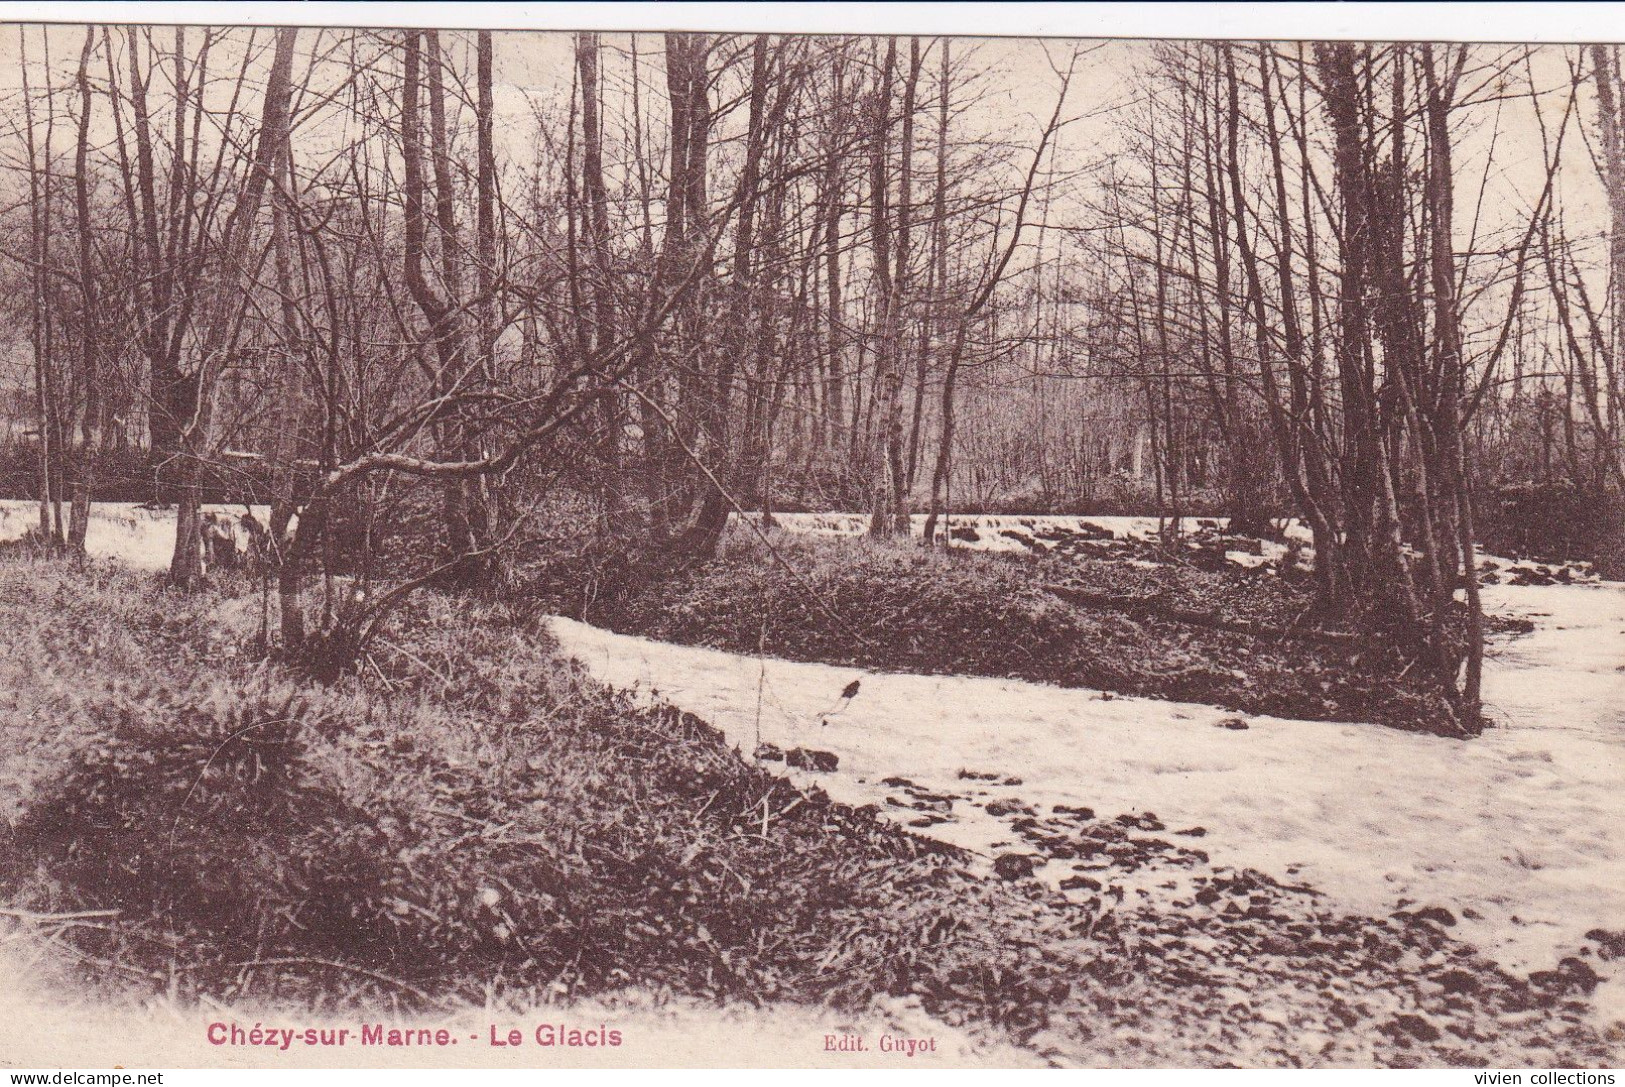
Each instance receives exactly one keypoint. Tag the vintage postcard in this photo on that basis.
(729, 547)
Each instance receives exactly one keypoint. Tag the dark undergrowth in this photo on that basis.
(900, 607)
(472, 819)
(477, 816)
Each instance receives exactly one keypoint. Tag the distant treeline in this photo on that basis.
(1547, 520)
(127, 475)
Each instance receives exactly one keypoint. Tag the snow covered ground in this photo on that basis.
(130, 533)
(1516, 833)
(990, 525)
(1022, 532)
(1038, 532)
(1521, 827)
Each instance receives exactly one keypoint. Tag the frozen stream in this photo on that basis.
(1521, 826)
(1517, 832)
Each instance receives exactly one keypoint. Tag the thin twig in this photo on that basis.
(375, 975)
(48, 918)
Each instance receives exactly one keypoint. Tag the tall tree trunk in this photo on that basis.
(186, 565)
(601, 304)
(1451, 366)
(290, 415)
(932, 334)
(39, 310)
(84, 481)
(887, 375)
(484, 503)
(466, 555)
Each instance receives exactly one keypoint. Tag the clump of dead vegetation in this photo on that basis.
(1241, 639)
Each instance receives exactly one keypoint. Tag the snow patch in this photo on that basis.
(126, 532)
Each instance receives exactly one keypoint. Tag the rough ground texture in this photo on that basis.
(506, 824)
(480, 818)
(900, 608)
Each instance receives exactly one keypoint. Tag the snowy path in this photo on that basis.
(1520, 827)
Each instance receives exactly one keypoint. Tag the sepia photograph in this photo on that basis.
(852, 546)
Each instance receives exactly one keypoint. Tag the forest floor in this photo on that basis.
(1090, 877)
